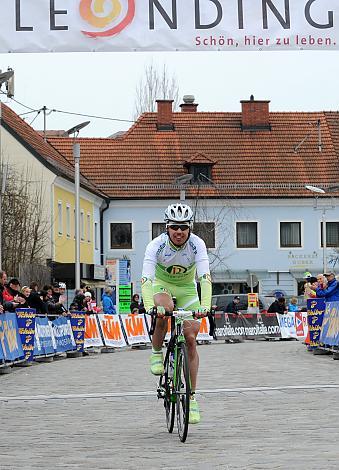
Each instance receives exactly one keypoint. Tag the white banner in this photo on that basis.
(135, 328)
(156, 25)
(112, 331)
(92, 332)
(293, 325)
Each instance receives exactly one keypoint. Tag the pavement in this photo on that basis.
(264, 405)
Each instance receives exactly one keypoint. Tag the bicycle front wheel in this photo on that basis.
(169, 403)
(183, 390)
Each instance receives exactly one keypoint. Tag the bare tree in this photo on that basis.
(25, 225)
(155, 85)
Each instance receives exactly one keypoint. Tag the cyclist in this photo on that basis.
(171, 263)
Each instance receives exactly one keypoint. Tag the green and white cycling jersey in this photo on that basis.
(172, 269)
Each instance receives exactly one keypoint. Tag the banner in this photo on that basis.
(10, 338)
(26, 325)
(168, 25)
(203, 334)
(44, 343)
(77, 320)
(293, 325)
(135, 328)
(249, 326)
(112, 331)
(329, 335)
(315, 314)
(92, 332)
(63, 335)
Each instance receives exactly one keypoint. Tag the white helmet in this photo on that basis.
(179, 213)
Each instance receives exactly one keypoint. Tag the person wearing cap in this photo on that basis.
(234, 306)
(310, 288)
(331, 292)
(87, 303)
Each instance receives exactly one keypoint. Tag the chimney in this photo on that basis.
(165, 115)
(255, 115)
(188, 106)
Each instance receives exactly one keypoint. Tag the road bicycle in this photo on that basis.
(174, 385)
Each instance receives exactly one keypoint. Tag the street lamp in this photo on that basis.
(317, 190)
(76, 155)
(182, 181)
(4, 78)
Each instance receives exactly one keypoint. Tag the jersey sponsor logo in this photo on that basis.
(194, 248)
(160, 249)
(144, 280)
(176, 269)
(207, 277)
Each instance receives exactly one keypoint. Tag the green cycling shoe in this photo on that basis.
(194, 417)
(157, 363)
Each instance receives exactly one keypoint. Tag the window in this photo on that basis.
(158, 229)
(68, 220)
(206, 231)
(59, 217)
(332, 234)
(121, 236)
(82, 225)
(290, 234)
(89, 228)
(95, 235)
(202, 174)
(247, 234)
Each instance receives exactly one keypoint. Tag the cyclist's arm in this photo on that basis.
(148, 273)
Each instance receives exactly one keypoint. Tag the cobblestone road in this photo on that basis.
(264, 405)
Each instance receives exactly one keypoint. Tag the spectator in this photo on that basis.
(135, 302)
(278, 306)
(73, 307)
(12, 295)
(135, 310)
(35, 299)
(310, 288)
(24, 293)
(293, 305)
(79, 299)
(107, 302)
(322, 281)
(91, 291)
(234, 306)
(331, 291)
(87, 303)
(54, 309)
(4, 305)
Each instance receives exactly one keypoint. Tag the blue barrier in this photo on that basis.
(315, 314)
(78, 323)
(330, 326)
(26, 325)
(43, 338)
(63, 335)
(10, 338)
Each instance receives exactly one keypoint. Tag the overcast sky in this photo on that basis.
(104, 83)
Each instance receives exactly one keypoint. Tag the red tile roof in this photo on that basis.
(145, 162)
(45, 152)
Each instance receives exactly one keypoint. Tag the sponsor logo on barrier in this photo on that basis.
(92, 332)
(135, 328)
(111, 331)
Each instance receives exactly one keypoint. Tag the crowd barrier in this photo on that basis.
(25, 336)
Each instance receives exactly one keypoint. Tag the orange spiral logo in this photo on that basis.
(95, 14)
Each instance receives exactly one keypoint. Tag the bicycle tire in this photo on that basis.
(169, 404)
(183, 391)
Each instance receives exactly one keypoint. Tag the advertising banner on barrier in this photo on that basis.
(329, 335)
(112, 331)
(203, 334)
(26, 325)
(249, 326)
(92, 332)
(157, 25)
(10, 338)
(293, 325)
(135, 328)
(2, 357)
(315, 314)
(43, 338)
(78, 323)
(63, 335)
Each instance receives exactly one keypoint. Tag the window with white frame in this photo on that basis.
(247, 234)
(120, 236)
(89, 228)
(82, 225)
(96, 235)
(332, 234)
(290, 234)
(68, 220)
(158, 228)
(59, 217)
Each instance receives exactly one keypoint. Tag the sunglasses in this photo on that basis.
(183, 228)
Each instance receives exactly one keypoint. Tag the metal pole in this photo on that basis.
(324, 241)
(76, 156)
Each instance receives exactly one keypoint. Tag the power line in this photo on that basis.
(91, 116)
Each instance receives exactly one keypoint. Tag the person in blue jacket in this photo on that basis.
(107, 302)
(331, 291)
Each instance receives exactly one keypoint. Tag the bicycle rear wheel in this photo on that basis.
(183, 390)
(169, 402)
